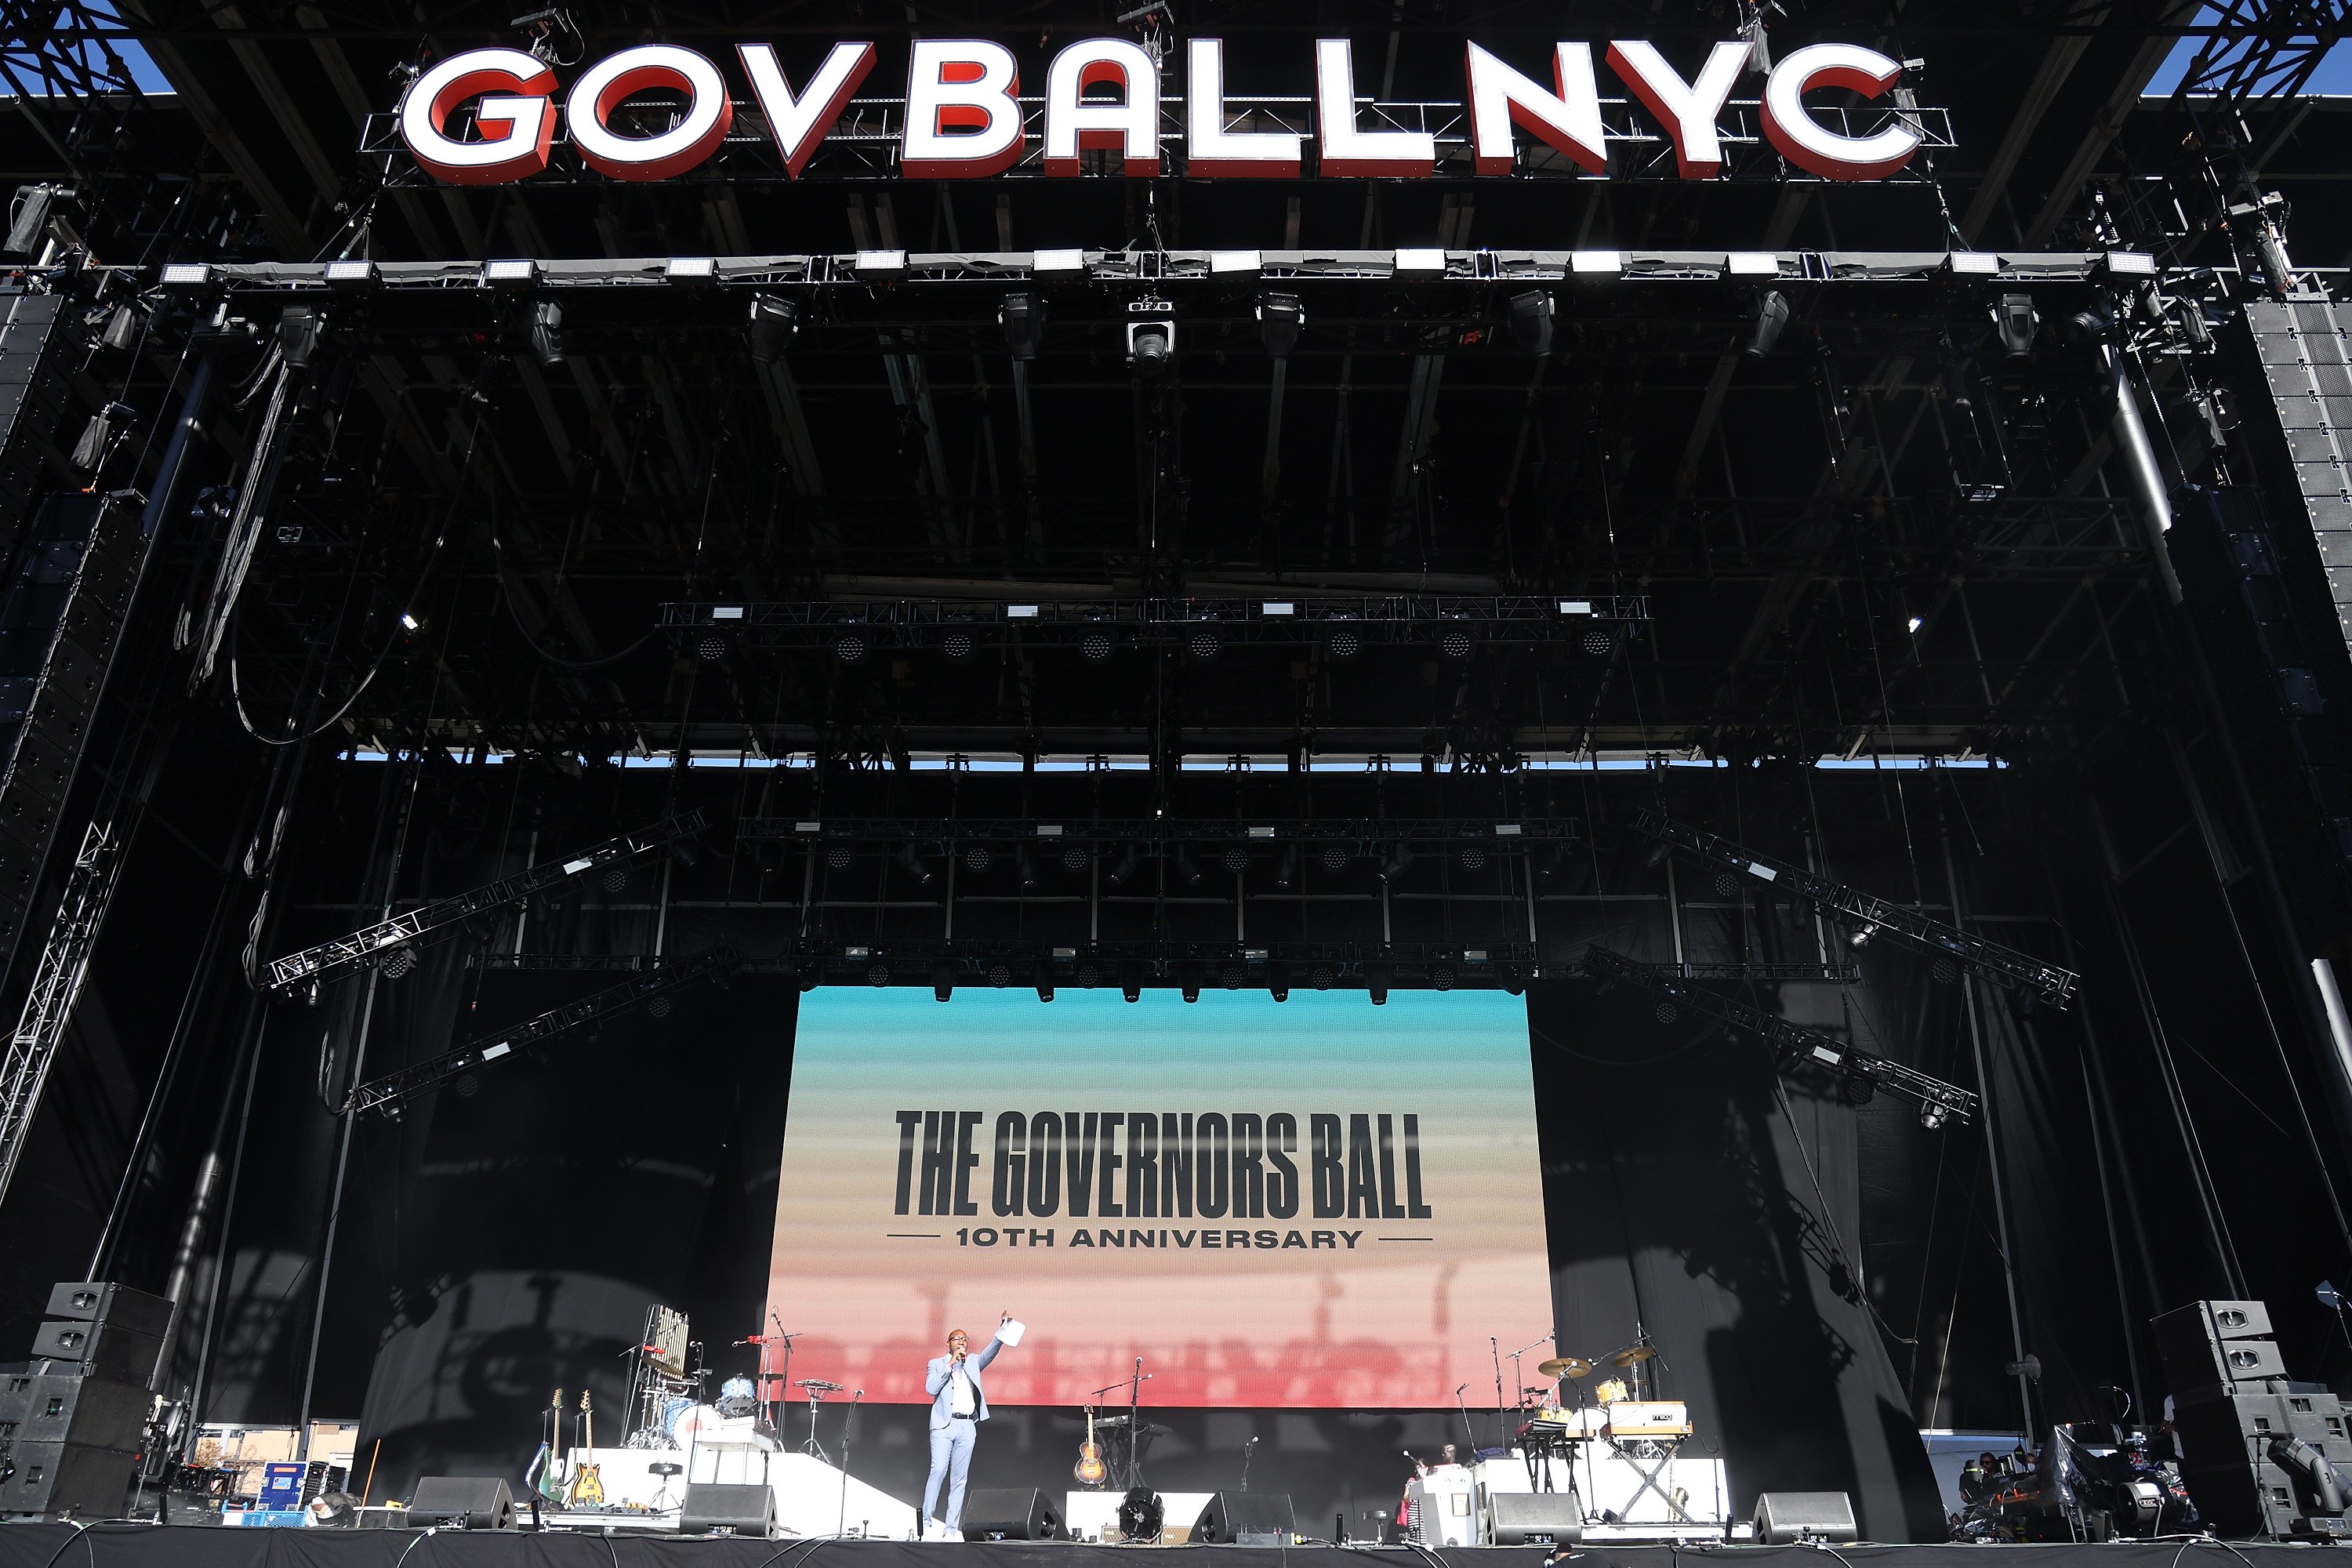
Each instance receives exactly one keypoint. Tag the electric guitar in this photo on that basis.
(587, 1476)
(1090, 1469)
(545, 1476)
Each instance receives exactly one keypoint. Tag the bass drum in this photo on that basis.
(672, 1409)
(693, 1422)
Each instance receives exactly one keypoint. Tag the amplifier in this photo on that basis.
(1534, 1519)
(1649, 1418)
(711, 1509)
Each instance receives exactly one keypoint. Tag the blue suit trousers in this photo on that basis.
(950, 1462)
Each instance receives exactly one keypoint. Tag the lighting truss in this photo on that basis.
(1359, 834)
(662, 975)
(2006, 965)
(346, 954)
(1795, 1049)
(1306, 965)
(960, 627)
(2261, 50)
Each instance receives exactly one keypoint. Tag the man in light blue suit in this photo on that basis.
(958, 1408)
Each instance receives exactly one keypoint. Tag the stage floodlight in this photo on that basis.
(352, 271)
(881, 263)
(1045, 991)
(1188, 870)
(691, 268)
(1190, 982)
(185, 275)
(1130, 982)
(1129, 861)
(1860, 937)
(1771, 316)
(509, 272)
(1393, 863)
(1023, 317)
(911, 861)
(1530, 320)
(774, 319)
(409, 622)
(2015, 322)
(1279, 319)
(547, 333)
(28, 219)
(1931, 1116)
(1277, 982)
(1376, 983)
(1659, 854)
(1150, 337)
(943, 981)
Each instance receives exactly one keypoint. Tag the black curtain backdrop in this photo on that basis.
(1687, 1199)
(516, 1234)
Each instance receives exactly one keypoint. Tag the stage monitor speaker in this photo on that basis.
(55, 1480)
(477, 1502)
(1011, 1513)
(1784, 1518)
(711, 1509)
(1238, 1517)
(1534, 1519)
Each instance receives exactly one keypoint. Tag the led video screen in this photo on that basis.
(1314, 1203)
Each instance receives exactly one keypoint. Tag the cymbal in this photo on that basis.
(1632, 1354)
(1565, 1366)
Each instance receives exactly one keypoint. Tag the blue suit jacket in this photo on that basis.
(938, 1380)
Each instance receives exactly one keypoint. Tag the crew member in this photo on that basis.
(958, 1408)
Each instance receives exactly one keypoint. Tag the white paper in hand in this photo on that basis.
(1012, 1331)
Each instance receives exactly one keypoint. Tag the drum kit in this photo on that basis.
(1622, 1412)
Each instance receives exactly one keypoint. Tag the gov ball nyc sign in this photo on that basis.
(964, 118)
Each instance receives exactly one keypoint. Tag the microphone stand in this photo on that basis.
(848, 1431)
(1469, 1436)
(1245, 1459)
(1134, 1427)
(1502, 1421)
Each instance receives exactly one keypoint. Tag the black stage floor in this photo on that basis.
(152, 1546)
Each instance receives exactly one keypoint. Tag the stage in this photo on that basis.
(154, 1546)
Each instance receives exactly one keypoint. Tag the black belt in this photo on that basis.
(955, 1417)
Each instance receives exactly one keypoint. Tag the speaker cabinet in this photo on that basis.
(1534, 1519)
(55, 1480)
(61, 1405)
(477, 1502)
(104, 1349)
(103, 1301)
(1231, 1517)
(1015, 1513)
(1783, 1517)
(2207, 1346)
(711, 1509)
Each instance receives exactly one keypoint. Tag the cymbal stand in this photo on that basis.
(812, 1447)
